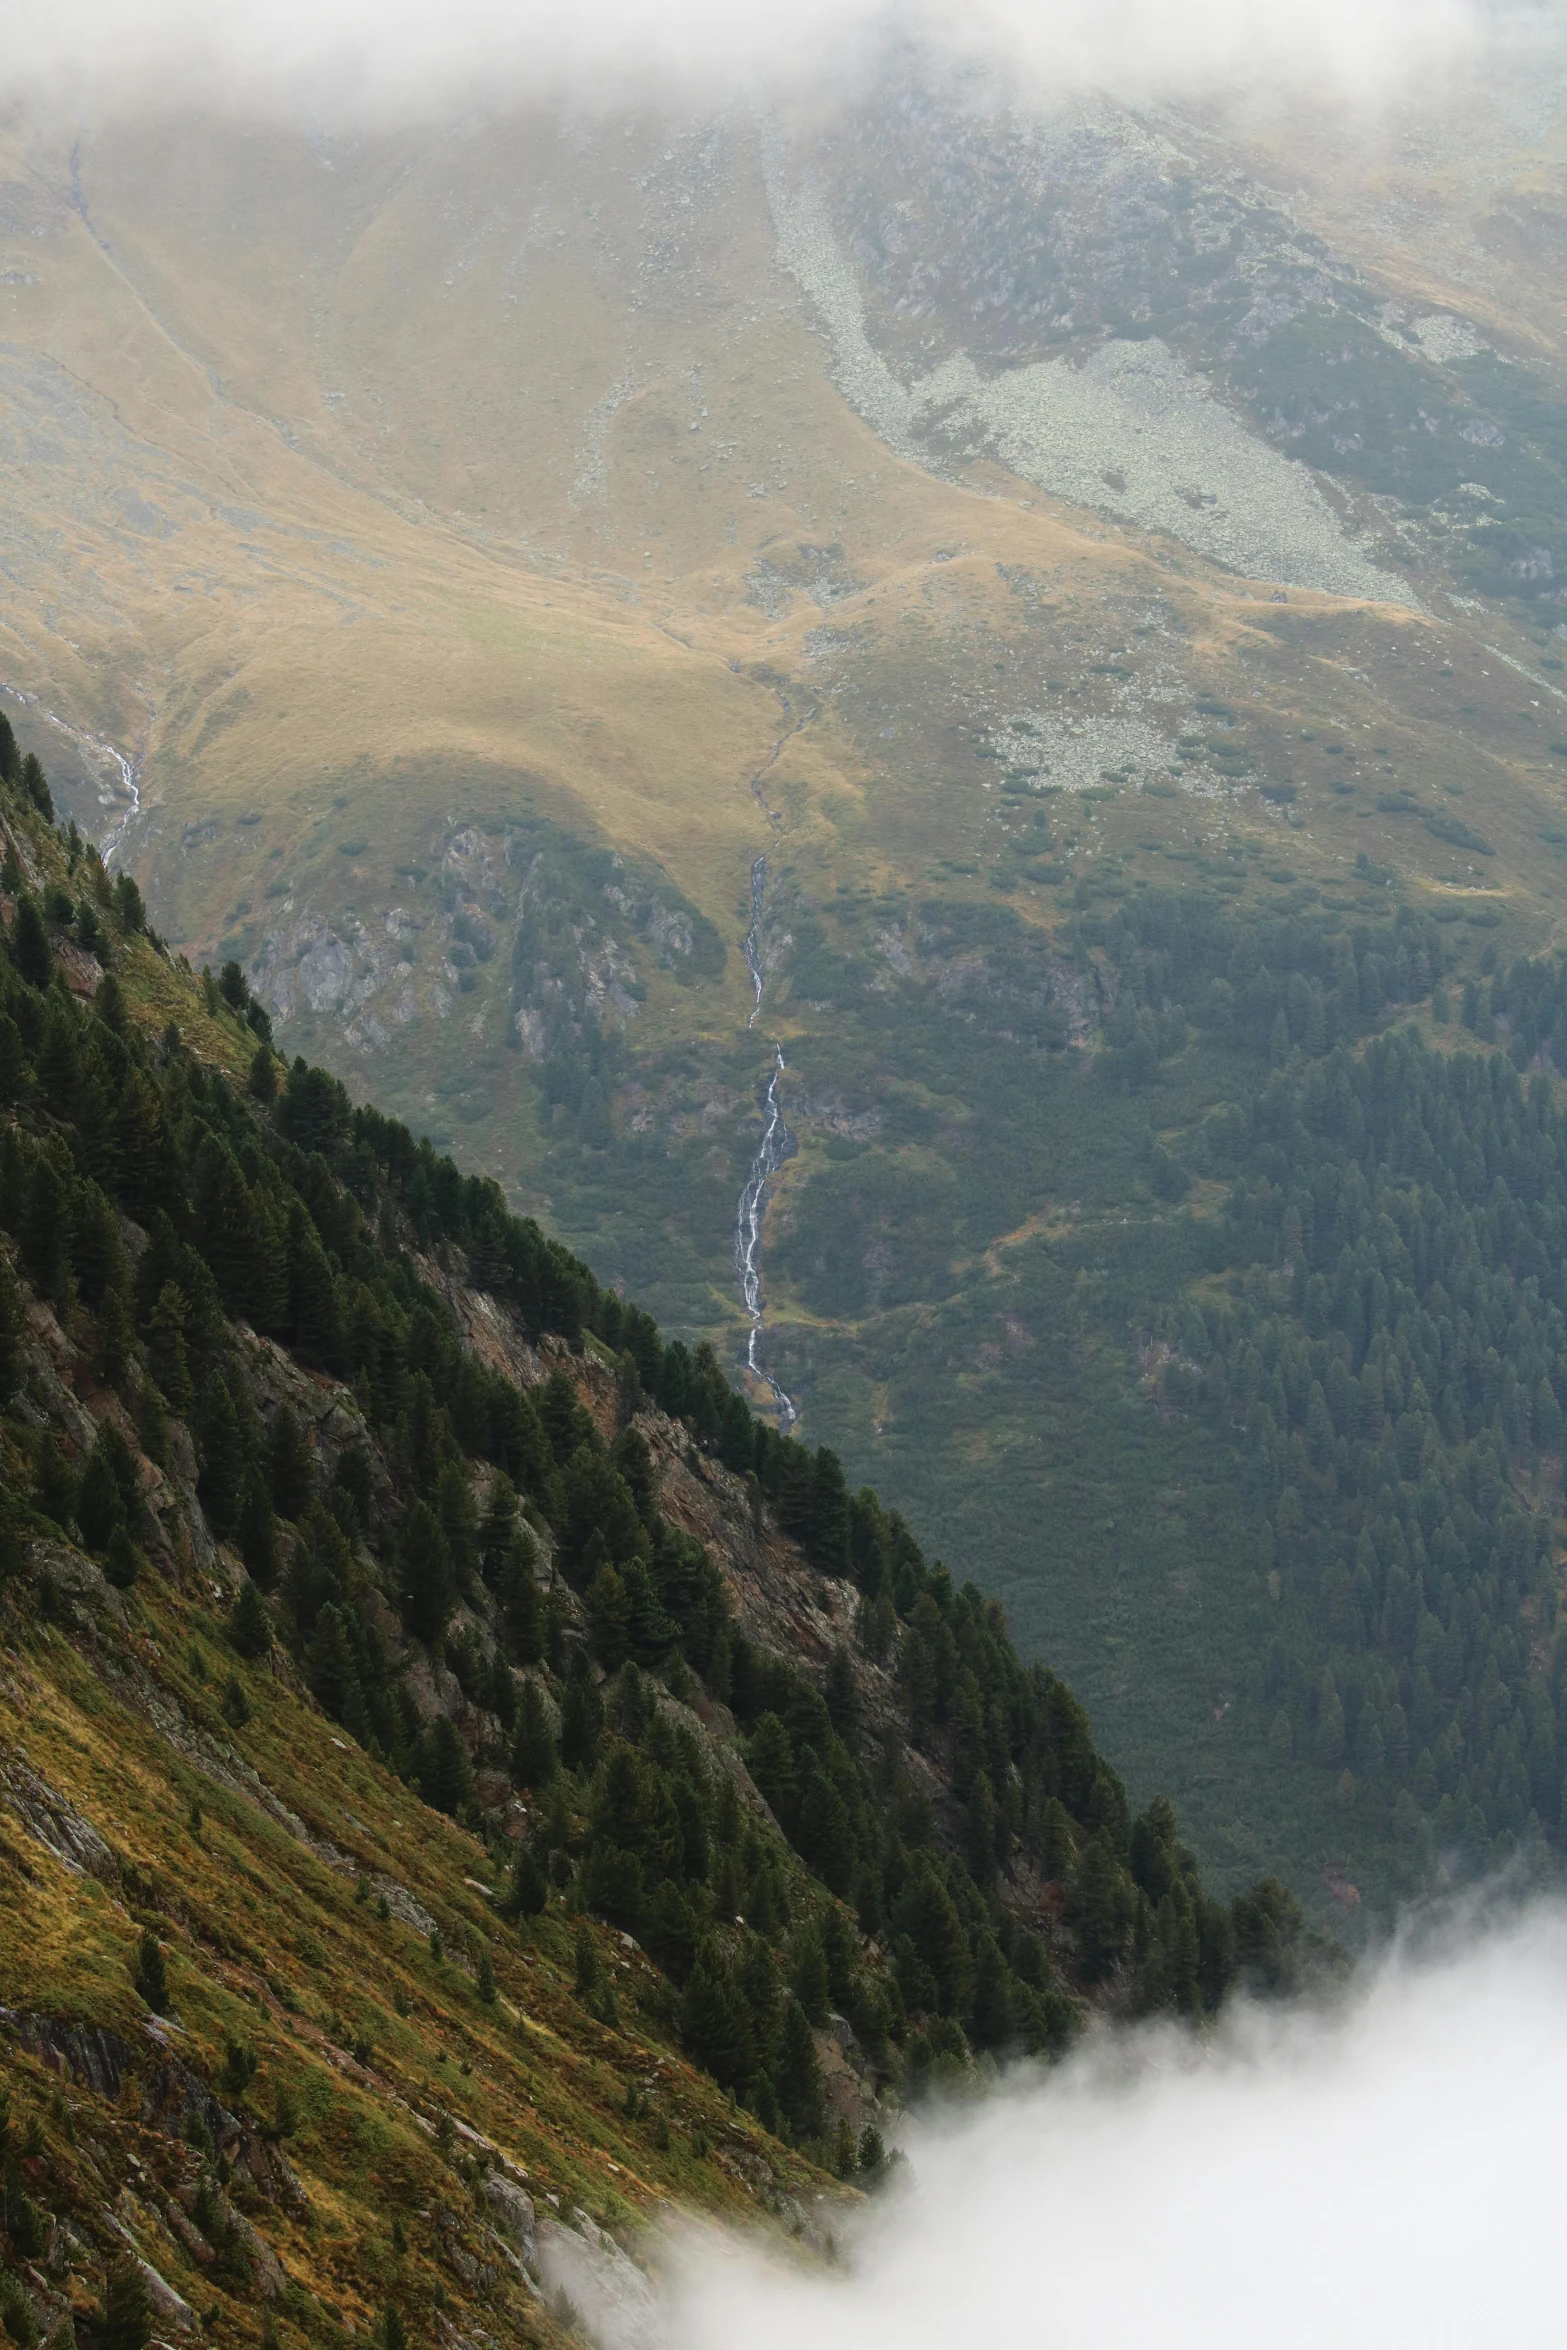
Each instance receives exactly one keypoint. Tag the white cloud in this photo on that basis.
(374, 56)
(1388, 2177)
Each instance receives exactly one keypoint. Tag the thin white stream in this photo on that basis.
(775, 1146)
(125, 769)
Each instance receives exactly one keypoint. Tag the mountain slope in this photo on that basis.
(434, 1774)
(486, 543)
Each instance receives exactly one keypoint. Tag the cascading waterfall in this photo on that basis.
(776, 1144)
(103, 752)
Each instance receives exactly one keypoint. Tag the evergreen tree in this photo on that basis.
(810, 1974)
(609, 1618)
(499, 1529)
(529, 1886)
(290, 1470)
(166, 1349)
(534, 1759)
(249, 1626)
(715, 2023)
(447, 1776)
(99, 1508)
(46, 1230)
(257, 1534)
(222, 1461)
(149, 1973)
(54, 1487)
(122, 1565)
(426, 1574)
(522, 1601)
(587, 1961)
(124, 2321)
(582, 1716)
(11, 1328)
(798, 2076)
(30, 948)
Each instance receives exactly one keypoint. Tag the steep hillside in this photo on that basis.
(453, 558)
(464, 1782)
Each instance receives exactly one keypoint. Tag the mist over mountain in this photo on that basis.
(1383, 2170)
(415, 61)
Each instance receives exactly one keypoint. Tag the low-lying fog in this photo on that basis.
(1389, 2174)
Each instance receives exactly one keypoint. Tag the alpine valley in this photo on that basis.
(934, 730)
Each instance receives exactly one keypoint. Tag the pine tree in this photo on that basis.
(715, 2022)
(46, 1230)
(99, 1509)
(534, 1759)
(125, 2319)
(498, 1530)
(54, 1487)
(30, 948)
(222, 1461)
(810, 1974)
(122, 1564)
(116, 1335)
(35, 784)
(582, 1716)
(447, 1776)
(11, 1327)
(426, 1574)
(522, 1601)
(257, 1535)
(149, 1973)
(459, 1520)
(609, 1618)
(529, 1885)
(249, 1626)
(799, 2076)
(166, 1349)
(23, 2220)
(290, 1469)
(587, 1961)
(484, 1977)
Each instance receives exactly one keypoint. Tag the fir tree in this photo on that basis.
(587, 1961)
(124, 2321)
(582, 1716)
(498, 1530)
(30, 948)
(609, 1618)
(522, 1601)
(249, 1626)
(426, 1574)
(534, 1758)
(529, 1886)
(799, 2077)
(99, 1509)
(149, 1973)
(447, 1776)
(222, 1461)
(811, 1987)
(46, 1230)
(289, 1466)
(11, 1327)
(166, 1349)
(257, 1535)
(122, 1563)
(54, 1487)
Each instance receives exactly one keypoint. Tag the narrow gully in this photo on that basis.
(124, 768)
(776, 1144)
